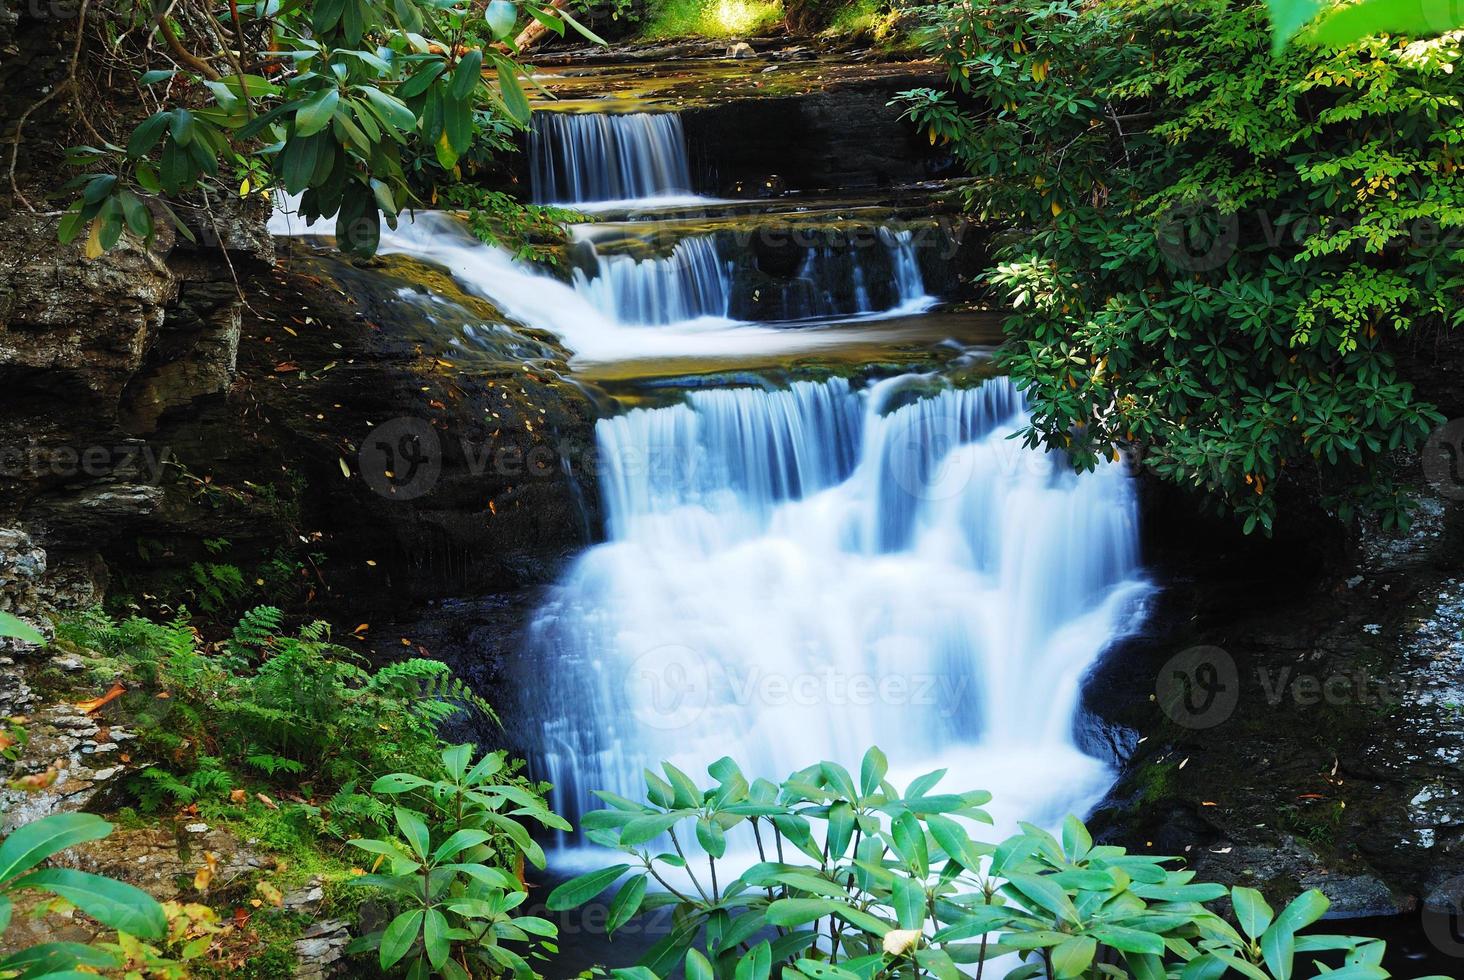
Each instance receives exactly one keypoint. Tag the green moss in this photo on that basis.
(874, 18)
(1155, 782)
(712, 18)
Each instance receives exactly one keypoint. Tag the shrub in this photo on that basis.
(1221, 248)
(856, 880)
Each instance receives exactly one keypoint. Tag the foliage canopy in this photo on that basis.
(1223, 247)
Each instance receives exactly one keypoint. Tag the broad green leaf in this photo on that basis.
(414, 830)
(468, 74)
(112, 903)
(697, 967)
(34, 842)
(626, 903)
(460, 841)
(1251, 911)
(872, 770)
(1349, 23)
(434, 937)
(501, 16)
(1288, 17)
(316, 113)
(516, 103)
(1072, 958)
(399, 936)
(14, 626)
(577, 891)
(757, 964)
(797, 911)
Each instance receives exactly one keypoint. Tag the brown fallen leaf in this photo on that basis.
(237, 796)
(88, 707)
(266, 801)
(286, 367)
(271, 894)
(37, 781)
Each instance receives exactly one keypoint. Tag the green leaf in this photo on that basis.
(1303, 910)
(468, 75)
(455, 759)
(414, 830)
(112, 903)
(909, 839)
(579, 890)
(1278, 947)
(841, 829)
(584, 31)
(501, 16)
(395, 112)
(1251, 911)
(147, 134)
(155, 76)
(316, 113)
(697, 967)
(797, 911)
(48, 960)
(421, 79)
(1072, 958)
(1350, 23)
(516, 103)
(399, 936)
(643, 829)
(756, 965)
(34, 842)
(460, 841)
(1043, 893)
(1288, 17)
(434, 937)
(1129, 940)
(399, 782)
(1076, 841)
(909, 903)
(135, 213)
(182, 128)
(872, 770)
(17, 628)
(626, 903)
(710, 836)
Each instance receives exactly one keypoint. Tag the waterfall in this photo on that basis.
(850, 275)
(793, 575)
(688, 284)
(580, 158)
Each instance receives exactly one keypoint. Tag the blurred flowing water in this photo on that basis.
(794, 575)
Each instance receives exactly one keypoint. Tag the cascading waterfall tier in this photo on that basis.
(793, 575)
(584, 158)
(850, 275)
(690, 283)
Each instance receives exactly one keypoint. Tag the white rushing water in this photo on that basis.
(695, 281)
(582, 158)
(794, 575)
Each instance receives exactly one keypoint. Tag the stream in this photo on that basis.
(819, 533)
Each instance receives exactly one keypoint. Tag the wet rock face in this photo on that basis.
(1300, 723)
(844, 137)
(433, 449)
(91, 353)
